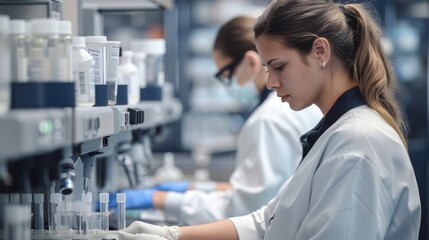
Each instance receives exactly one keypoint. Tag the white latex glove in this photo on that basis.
(164, 232)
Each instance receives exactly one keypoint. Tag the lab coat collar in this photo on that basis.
(350, 99)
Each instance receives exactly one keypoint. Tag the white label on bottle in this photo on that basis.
(112, 64)
(39, 67)
(99, 63)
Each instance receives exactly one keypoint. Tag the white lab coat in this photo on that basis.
(268, 152)
(356, 183)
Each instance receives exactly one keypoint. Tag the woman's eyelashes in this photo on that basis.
(278, 68)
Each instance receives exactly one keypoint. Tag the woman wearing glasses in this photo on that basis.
(268, 148)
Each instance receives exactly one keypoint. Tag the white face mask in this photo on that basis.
(247, 95)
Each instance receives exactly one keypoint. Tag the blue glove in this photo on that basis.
(135, 198)
(174, 186)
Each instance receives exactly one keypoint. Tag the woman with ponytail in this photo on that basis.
(355, 180)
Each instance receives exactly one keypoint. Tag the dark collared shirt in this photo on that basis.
(350, 99)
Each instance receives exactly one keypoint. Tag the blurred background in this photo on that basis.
(210, 118)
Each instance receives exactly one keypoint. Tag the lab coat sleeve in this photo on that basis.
(348, 201)
(254, 226)
(268, 153)
(196, 207)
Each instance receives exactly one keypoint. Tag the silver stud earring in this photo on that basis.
(324, 64)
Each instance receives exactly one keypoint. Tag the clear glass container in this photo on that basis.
(42, 46)
(18, 50)
(129, 74)
(112, 70)
(83, 64)
(5, 76)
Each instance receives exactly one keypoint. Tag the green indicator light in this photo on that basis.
(46, 127)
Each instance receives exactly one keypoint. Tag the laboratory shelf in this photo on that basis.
(31, 132)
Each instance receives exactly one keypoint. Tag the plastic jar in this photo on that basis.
(18, 50)
(129, 74)
(5, 76)
(42, 50)
(112, 70)
(83, 73)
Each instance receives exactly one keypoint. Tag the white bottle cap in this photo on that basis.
(56, 198)
(96, 39)
(149, 46)
(39, 198)
(44, 26)
(26, 198)
(104, 197)
(114, 43)
(78, 42)
(17, 26)
(87, 198)
(64, 27)
(4, 24)
(127, 54)
(121, 197)
(14, 198)
(4, 198)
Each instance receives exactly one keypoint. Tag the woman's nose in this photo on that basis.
(272, 82)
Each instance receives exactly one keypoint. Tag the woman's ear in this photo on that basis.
(252, 60)
(322, 51)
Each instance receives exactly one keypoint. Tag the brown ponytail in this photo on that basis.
(356, 41)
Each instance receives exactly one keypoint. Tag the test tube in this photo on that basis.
(86, 211)
(54, 217)
(104, 211)
(66, 215)
(38, 213)
(77, 221)
(121, 200)
(86, 218)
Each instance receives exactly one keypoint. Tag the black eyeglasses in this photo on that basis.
(224, 75)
